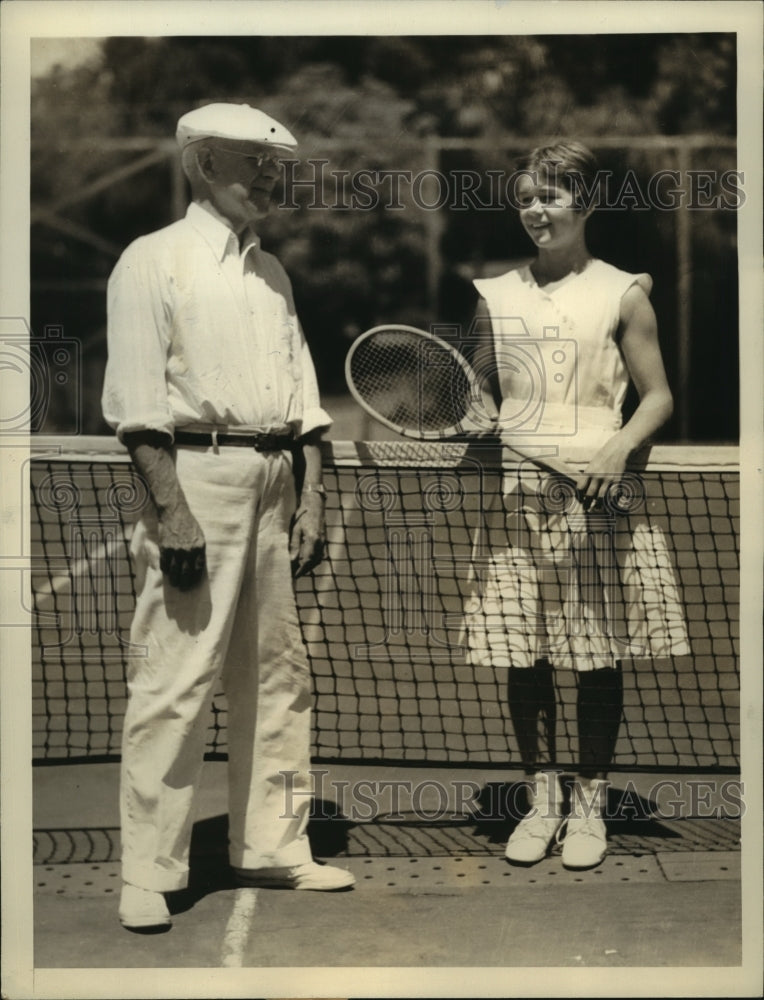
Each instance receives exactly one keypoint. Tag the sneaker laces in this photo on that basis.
(534, 825)
(545, 798)
(574, 824)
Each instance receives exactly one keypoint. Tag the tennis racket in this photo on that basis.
(419, 386)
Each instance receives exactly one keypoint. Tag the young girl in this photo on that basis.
(570, 582)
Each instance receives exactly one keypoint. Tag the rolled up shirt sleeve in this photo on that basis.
(313, 414)
(135, 393)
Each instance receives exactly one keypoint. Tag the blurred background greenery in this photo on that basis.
(104, 171)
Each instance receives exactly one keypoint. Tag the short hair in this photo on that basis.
(570, 163)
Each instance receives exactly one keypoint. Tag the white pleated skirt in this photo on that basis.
(582, 589)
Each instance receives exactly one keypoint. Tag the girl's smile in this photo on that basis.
(548, 212)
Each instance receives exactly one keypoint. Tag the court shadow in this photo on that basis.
(328, 829)
(500, 805)
(629, 814)
(208, 861)
(208, 864)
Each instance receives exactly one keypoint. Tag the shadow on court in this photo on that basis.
(500, 805)
(209, 868)
(431, 892)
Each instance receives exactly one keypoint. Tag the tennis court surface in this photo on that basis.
(433, 888)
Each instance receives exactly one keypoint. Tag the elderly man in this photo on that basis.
(211, 386)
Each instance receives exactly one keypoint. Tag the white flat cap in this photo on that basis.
(238, 122)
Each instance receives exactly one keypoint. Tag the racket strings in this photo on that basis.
(411, 381)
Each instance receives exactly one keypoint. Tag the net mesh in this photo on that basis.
(380, 616)
(412, 382)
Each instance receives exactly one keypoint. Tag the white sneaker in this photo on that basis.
(142, 909)
(535, 832)
(585, 842)
(322, 878)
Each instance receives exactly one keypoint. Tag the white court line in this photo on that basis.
(238, 928)
(83, 567)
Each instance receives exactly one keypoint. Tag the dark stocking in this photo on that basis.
(531, 699)
(600, 707)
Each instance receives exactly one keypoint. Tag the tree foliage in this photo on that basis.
(444, 85)
(382, 96)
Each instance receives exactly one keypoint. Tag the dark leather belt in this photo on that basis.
(260, 442)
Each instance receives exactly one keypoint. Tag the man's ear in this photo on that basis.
(205, 160)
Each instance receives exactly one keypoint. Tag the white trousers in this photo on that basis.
(240, 623)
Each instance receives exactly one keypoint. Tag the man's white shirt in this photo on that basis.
(202, 334)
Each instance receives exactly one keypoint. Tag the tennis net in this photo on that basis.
(381, 615)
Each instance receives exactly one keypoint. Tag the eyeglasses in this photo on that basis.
(260, 159)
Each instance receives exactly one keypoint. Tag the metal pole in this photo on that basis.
(684, 295)
(434, 232)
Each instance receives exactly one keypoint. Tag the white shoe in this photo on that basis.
(535, 832)
(311, 875)
(585, 842)
(142, 909)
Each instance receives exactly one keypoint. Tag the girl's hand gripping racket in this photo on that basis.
(420, 386)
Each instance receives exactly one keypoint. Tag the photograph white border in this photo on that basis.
(19, 22)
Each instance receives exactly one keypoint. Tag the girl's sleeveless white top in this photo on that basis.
(562, 376)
